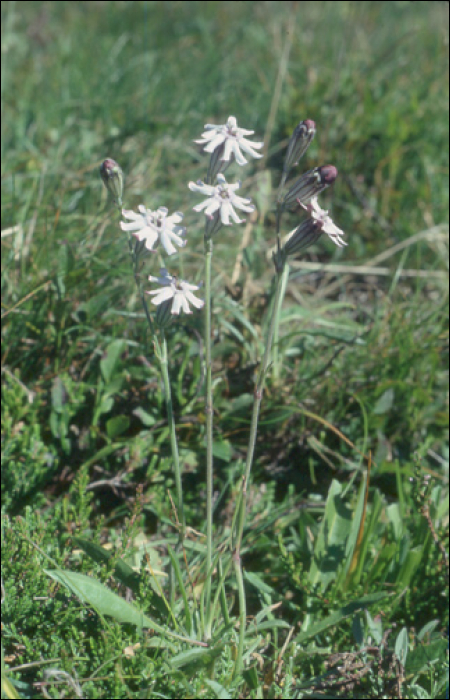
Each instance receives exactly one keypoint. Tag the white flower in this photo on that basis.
(222, 199)
(233, 140)
(155, 227)
(325, 222)
(174, 291)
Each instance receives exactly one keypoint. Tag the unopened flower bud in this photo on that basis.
(302, 237)
(309, 185)
(213, 224)
(217, 164)
(164, 316)
(111, 174)
(302, 136)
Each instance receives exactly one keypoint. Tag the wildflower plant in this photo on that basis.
(169, 297)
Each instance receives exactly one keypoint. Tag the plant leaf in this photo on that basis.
(339, 615)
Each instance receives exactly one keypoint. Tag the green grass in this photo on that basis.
(363, 356)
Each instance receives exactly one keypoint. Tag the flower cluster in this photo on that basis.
(226, 143)
(303, 194)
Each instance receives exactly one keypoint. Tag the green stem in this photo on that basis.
(276, 334)
(242, 613)
(209, 410)
(239, 518)
(241, 505)
(163, 359)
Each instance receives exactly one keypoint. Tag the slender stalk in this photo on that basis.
(209, 409)
(276, 334)
(239, 513)
(259, 390)
(163, 360)
(241, 505)
(237, 565)
(239, 521)
(112, 177)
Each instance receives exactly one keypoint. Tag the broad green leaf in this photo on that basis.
(329, 550)
(375, 627)
(428, 629)
(410, 566)
(402, 646)
(339, 615)
(394, 514)
(384, 403)
(122, 571)
(117, 425)
(425, 655)
(251, 678)
(101, 598)
(58, 395)
(111, 358)
(220, 691)
(222, 450)
(145, 417)
(105, 602)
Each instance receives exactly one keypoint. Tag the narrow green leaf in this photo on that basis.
(402, 646)
(219, 690)
(339, 615)
(258, 583)
(196, 657)
(268, 625)
(182, 587)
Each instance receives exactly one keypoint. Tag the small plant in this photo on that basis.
(156, 230)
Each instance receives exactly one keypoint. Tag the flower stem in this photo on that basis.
(163, 360)
(238, 520)
(237, 564)
(240, 510)
(209, 410)
(276, 334)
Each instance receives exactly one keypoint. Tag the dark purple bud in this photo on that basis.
(302, 136)
(309, 185)
(328, 174)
